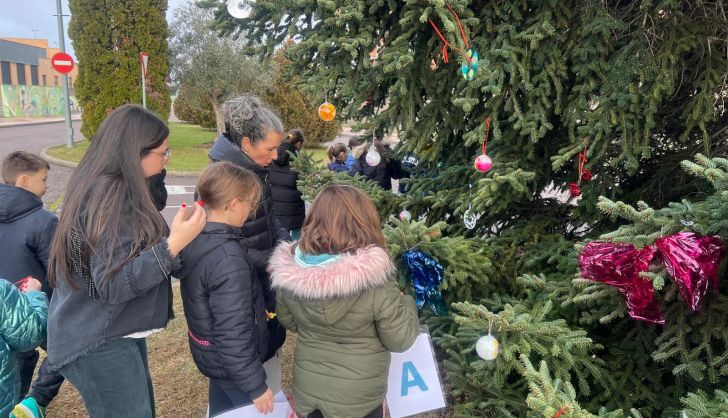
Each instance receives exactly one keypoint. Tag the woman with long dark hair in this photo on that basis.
(111, 262)
(253, 134)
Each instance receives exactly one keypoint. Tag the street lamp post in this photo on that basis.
(66, 90)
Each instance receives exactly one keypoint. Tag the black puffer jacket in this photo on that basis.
(26, 232)
(225, 310)
(288, 206)
(260, 233)
(380, 174)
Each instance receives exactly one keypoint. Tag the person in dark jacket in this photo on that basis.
(26, 233)
(288, 206)
(338, 157)
(354, 142)
(222, 296)
(111, 262)
(380, 173)
(254, 133)
(158, 189)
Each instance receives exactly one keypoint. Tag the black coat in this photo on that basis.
(261, 233)
(225, 310)
(288, 206)
(380, 174)
(26, 233)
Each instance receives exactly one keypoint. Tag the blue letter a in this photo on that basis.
(416, 380)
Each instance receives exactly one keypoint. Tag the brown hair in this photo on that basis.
(295, 136)
(224, 181)
(355, 141)
(22, 162)
(342, 219)
(335, 150)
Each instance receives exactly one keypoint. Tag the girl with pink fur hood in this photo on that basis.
(336, 289)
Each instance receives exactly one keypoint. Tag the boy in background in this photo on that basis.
(26, 233)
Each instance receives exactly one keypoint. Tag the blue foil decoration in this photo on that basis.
(426, 275)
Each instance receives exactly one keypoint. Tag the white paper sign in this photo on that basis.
(281, 409)
(414, 384)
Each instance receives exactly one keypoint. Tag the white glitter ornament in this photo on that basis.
(405, 215)
(487, 347)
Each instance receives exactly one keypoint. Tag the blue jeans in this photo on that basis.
(114, 380)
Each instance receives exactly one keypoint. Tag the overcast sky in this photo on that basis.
(19, 18)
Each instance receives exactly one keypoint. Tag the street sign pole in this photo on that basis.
(144, 90)
(66, 90)
(144, 59)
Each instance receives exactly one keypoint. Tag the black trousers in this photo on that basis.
(378, 412)
(222, 399)
(47, 384)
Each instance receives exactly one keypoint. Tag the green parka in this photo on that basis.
(349, 315)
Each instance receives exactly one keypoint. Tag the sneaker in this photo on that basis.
(28, 408)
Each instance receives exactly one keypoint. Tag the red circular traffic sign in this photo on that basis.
(62, 62)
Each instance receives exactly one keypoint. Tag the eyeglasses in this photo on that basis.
(166, 154)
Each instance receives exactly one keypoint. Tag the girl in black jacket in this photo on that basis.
(288, 206)
(222, 296)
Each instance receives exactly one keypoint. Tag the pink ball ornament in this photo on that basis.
(483, 163)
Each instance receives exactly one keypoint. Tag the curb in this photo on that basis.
(69, 164)
(45, 122)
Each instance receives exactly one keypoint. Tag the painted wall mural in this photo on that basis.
(24, 101)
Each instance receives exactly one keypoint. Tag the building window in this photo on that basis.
(5, 69)
(34, 75)
(21, 73)
(55, 80)
(44, 80)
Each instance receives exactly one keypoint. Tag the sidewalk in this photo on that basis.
(10, 122)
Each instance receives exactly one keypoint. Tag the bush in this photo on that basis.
(194, 110)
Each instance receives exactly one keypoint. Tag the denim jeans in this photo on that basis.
(114, 380)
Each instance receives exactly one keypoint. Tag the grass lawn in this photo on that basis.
(190, 145)
(180, 390)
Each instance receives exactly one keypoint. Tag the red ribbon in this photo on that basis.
(487, 132)
(582, 160)
(560, 412)
(447, 44)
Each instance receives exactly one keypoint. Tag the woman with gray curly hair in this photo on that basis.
(253, 133)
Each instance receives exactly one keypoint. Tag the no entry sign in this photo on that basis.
(62, 62)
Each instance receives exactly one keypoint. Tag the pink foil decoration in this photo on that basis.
(693, 261)
(619, 265)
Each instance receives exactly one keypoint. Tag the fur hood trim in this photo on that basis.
(353, 273)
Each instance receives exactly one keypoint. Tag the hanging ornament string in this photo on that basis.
(485, 136)
(582, 161)
(445, 41)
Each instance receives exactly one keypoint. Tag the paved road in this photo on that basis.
(35, 138)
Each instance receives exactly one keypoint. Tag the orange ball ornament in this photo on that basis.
(327, 111)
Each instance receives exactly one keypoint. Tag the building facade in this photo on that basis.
(30, 85)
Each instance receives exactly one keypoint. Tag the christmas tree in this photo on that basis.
(592, 107)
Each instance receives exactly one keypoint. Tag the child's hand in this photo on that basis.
(31, 285)
(264, 403)
(184, 230)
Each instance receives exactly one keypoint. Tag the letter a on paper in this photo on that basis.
(409, 368)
